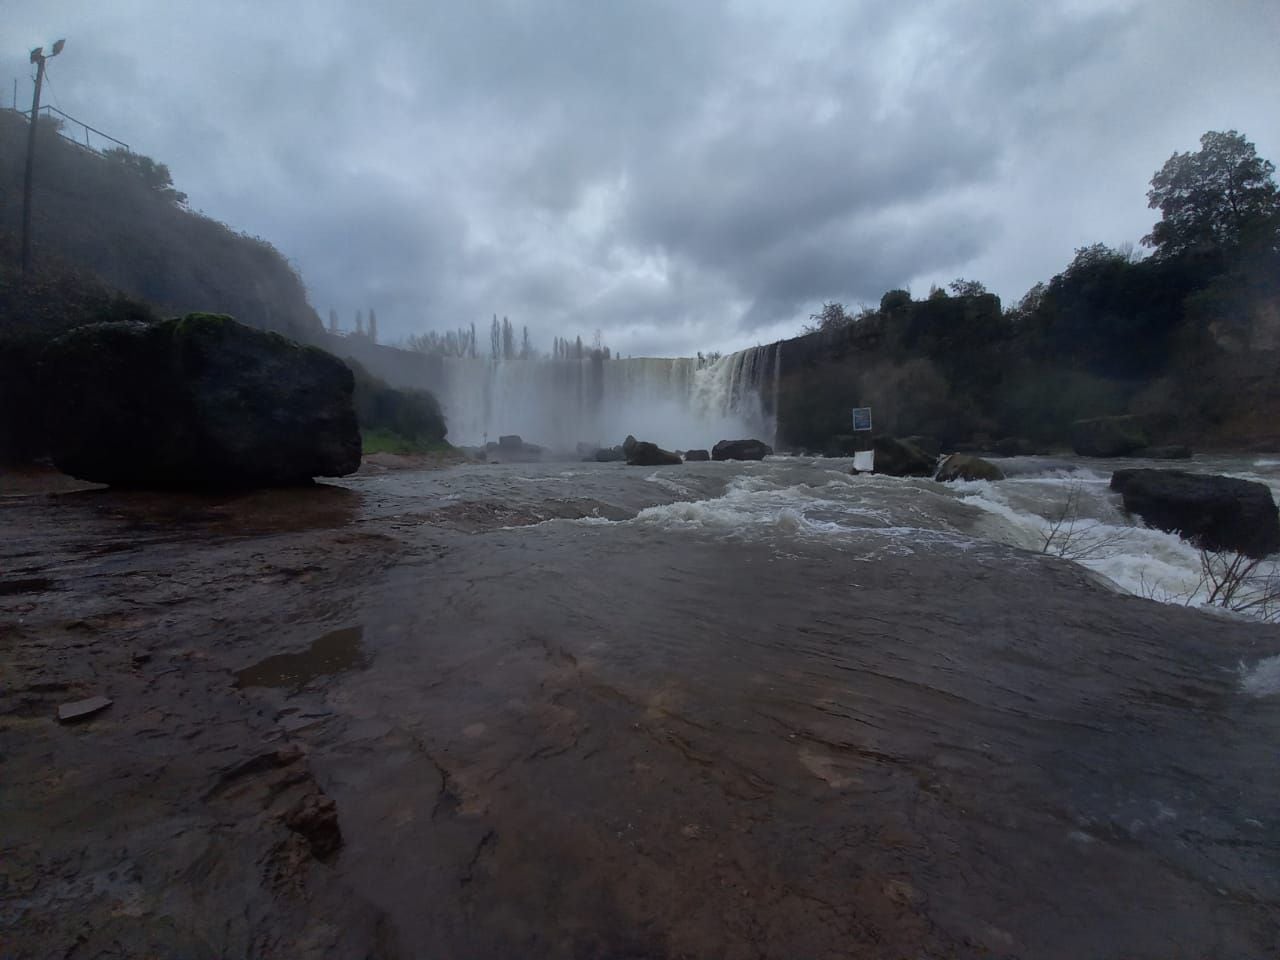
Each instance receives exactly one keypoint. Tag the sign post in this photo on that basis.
(863, 460)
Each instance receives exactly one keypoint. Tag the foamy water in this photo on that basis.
(1057, 508)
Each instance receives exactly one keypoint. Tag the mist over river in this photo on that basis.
(591, 710)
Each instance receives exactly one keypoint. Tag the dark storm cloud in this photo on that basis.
(680, 176)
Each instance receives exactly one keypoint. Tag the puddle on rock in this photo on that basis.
(334, 652)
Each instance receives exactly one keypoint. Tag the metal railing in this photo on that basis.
(63, 119)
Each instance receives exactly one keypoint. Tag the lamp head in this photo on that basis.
(37, 54)
(57, 47)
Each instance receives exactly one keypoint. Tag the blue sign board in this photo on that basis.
(861, 418)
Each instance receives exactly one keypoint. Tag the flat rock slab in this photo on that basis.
(81, 709)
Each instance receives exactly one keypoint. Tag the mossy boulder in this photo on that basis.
(962, 466)
(200, 401)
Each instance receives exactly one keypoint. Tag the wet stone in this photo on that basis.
(335, 652)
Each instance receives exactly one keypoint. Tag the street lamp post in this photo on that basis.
(39, 58)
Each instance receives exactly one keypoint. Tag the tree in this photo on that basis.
(360, 322)
(895, 300)
(1215, 200)
(333, 320)
(154, 175)
(495, 339)
(832, 316)
(966, 288)
(508, 340)
(373, 326)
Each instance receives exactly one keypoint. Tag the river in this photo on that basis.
(589, 710)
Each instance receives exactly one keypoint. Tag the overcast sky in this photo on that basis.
(679, 175)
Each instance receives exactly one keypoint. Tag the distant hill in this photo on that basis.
(117, 222)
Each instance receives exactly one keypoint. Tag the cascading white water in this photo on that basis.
(679, 403)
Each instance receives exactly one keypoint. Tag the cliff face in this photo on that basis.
(99, 216)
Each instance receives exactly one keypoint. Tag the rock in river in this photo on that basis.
(645, 454)
(1218, 513)
(899, 458)
(695, 456)
(198, 401)
(963, 466)
(740, 450)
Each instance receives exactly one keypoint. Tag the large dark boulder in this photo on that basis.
(899, 458)
(645, 454)
(741, 450)
(696, 456)
(963, 466)
(199, 401)
(1109, 436)
(1215, 512)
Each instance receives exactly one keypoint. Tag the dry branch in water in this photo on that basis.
(1071, 538)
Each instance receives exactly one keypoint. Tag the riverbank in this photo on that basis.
(661, 737)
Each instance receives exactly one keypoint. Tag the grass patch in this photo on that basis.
(387, 441)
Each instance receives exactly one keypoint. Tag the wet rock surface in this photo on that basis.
(740, 450)
(644, 454)
(1218, 513)
(963, 466)
(901, 458)
(581, 740)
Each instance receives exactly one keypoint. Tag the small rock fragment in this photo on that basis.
(80, 709)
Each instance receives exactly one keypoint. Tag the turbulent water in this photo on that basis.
(1058, 507)
(679, 403)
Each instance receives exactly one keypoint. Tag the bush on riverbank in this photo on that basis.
(396, 420)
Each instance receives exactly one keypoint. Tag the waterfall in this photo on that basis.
(679, 403)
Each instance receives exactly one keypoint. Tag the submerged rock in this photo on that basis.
(740, 450)
(645, 454)
(963, 466)
(1215, 512)
(696, 456)
(198, 401)
(900, 458)
(1108, 436)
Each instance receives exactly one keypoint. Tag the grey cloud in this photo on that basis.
(679, 175)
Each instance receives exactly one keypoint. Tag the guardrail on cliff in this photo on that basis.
(61, 120)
